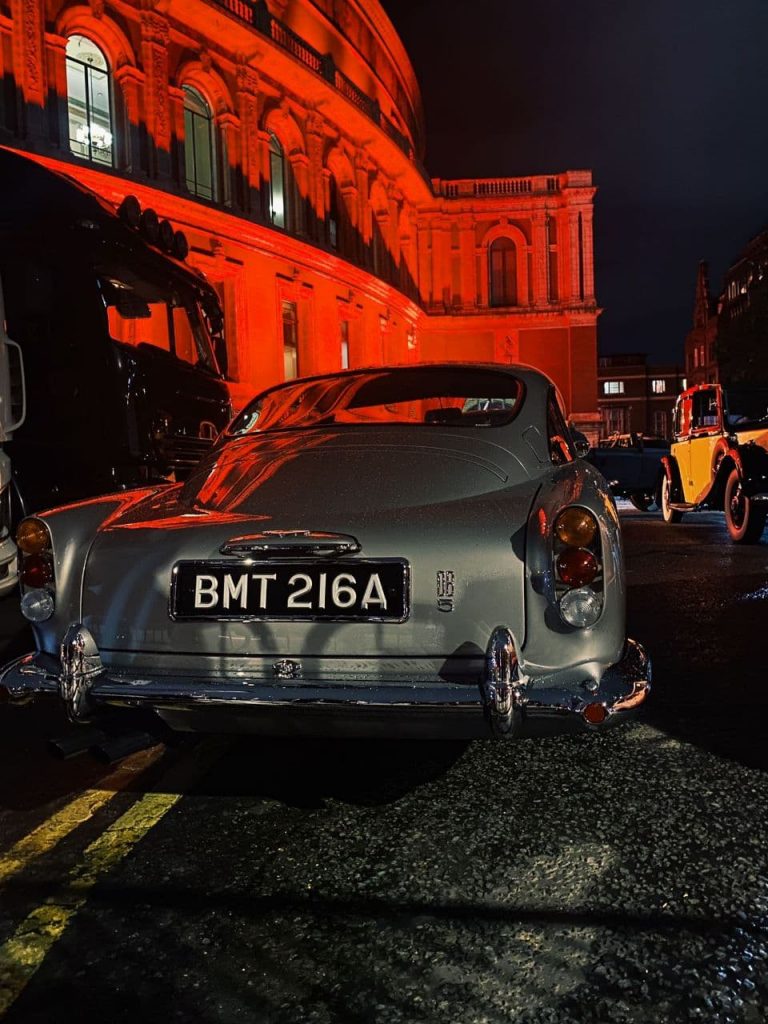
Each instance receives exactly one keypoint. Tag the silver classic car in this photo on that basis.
(399, 551)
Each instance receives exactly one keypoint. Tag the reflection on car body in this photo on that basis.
(375, 551)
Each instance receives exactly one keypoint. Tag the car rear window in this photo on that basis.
(415, 396)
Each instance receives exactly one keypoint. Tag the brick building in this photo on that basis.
(286, 138)
(700, 342)
(636, 397)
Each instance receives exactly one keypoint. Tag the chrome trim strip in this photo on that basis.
(292, 542)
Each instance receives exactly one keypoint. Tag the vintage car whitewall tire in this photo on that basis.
(744, 520)
(671, 515)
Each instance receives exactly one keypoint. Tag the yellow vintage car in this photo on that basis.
(719, 458)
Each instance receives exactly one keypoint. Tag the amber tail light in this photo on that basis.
(36, 569)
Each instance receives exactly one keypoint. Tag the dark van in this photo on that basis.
(121, 341)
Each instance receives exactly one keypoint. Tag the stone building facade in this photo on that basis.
(286, 139)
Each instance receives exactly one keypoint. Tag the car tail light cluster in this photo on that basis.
(36, 569)
(578, 567)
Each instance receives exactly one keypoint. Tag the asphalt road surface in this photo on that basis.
(617, 877)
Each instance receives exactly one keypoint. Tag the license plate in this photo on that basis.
(305, 591)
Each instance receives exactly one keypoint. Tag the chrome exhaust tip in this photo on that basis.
(74, 743)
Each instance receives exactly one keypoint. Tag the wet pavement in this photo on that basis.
(618, 877)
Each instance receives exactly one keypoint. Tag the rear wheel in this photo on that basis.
(644, 501)
(670, 515)
(744, 520)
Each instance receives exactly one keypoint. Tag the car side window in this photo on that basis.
(560, 443)
(706, 412)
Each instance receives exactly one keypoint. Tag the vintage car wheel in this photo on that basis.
(644, 501)
(744, 521)
(670, 515)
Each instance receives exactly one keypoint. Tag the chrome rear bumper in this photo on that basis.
(500, 704)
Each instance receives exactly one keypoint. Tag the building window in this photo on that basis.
(290, 340)
(502, 272)
(89, 102)
(613, 387)
(344, 334)
(199, 152)
(658, 386)
(615, 420)
(277, 202)
(660, 424)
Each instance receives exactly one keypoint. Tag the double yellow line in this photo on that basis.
(23, 953)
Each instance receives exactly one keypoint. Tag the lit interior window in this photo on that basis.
(89, 107)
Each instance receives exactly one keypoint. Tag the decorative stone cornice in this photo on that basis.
(154, 28)
(248, 79)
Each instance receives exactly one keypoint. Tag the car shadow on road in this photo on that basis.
(307, 772)
(709, 678)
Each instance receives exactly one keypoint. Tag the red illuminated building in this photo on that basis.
(285, 139)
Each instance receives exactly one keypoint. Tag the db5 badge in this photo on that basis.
(446, 589)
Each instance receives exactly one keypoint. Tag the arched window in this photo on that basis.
(502, 273)
(277, 182)
(199, 148)
(89, 101)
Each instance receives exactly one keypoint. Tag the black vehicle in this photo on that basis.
(119, 341)
(631, 463)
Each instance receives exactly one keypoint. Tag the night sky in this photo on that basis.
(665, 100)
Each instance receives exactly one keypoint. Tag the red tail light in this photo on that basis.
(577, 566)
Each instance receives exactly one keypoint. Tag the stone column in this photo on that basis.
(299, 168)
(29, 66)
(56, 52)
(574, 255)
(468, 262)
(315, 146)
(249, 103)
(154, 58)
(540, 247)
(229, 159)
(394, 199)
(588, 254)
(441, 261)
(424, 250)
(364, 214)
(130, 82)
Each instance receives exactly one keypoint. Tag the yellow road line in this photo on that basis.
(25, 951)
(72, 815)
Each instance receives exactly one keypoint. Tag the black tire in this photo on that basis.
(643, 500)
(744, 520)
(670, 515)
